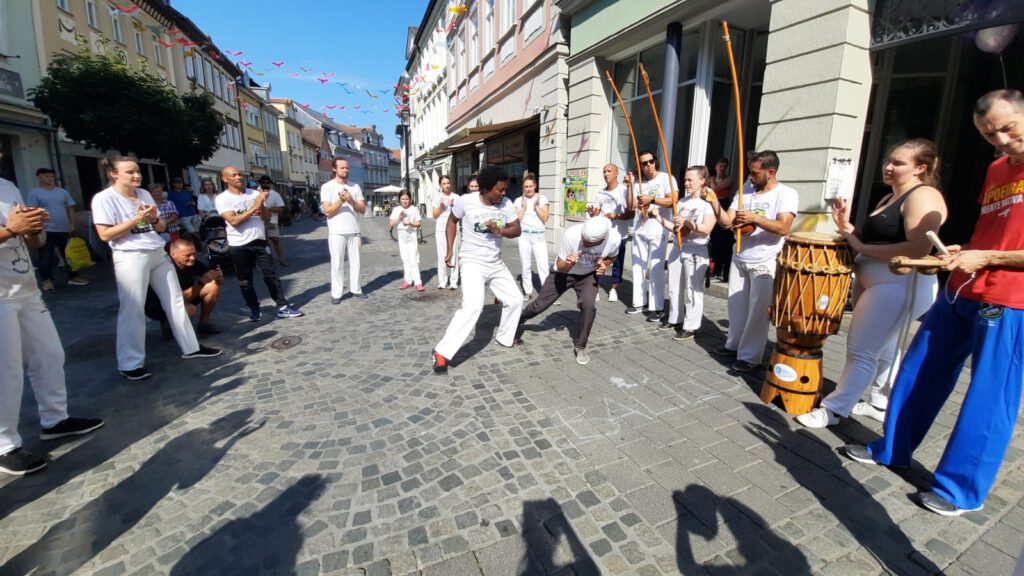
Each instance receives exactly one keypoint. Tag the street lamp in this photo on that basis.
(405, 143)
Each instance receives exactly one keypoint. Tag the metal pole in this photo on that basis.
(670, 85)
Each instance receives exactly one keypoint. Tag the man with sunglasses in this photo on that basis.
(649, 237)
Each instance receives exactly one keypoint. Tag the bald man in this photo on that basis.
(615, 203)
(246, 216)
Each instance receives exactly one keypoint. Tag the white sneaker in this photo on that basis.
(613, 296)
(597, 297)
(866, 409)
(820, 417)
(526, 297)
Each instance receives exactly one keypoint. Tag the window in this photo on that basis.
(474, 39)
(90, 12)
(139, 48)
(508, 14)
(209, 73)
(158, 52)
(190, 68)
(487, 6)
(462, 55)
(252, 115)
(63, 5)
(115, 25)
(257, 157)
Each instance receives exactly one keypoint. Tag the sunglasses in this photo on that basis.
(646, 162)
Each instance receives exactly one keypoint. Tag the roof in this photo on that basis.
(396, 154)
(313, 136)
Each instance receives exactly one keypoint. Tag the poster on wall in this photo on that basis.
(575, 194)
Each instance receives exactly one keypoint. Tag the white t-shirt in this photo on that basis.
(761, 245)
(659, 188)
(205, 204)
(614, 202)
(572, 241)
(409, 215)
(478, 243)
(346, 221)
(16, 276)
(446, 203)
(694, 209)
(274, 200)
(248, 231)
(531, 221)
(111, 208)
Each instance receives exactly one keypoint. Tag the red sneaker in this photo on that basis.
(404, 285)
(420, 288)
(440, 363)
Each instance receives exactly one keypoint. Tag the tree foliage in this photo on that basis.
(102, 103)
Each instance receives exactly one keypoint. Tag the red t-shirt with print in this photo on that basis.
(1000, 227)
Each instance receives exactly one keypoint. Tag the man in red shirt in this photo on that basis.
(981, 315)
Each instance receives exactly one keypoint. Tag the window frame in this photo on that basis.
(90, 14)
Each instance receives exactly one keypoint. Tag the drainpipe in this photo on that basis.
(669, 85)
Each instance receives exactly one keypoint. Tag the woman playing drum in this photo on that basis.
(882, 300)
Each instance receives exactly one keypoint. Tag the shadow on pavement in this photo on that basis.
(815, 466)
(698, 510)
(180, 463)
(544, 526)
(266, 542)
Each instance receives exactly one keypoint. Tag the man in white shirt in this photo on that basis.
(586, 250)
(486, 217)
(615, 203)
(28, 339)
(343, 203)
(275, 204)
(244, 212)
(765, 217)
(650, 238)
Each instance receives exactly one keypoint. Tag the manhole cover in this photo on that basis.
(285, 343)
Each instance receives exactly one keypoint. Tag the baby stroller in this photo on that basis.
(214, 235)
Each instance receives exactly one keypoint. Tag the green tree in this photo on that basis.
(104, 104)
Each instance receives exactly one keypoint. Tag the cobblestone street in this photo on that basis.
(326, 445)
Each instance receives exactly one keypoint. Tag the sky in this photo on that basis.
(290, 44)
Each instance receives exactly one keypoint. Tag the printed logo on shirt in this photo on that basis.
(481, 225)
(989, 313)
(21, 264)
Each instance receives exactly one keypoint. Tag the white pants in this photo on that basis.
(30, 341)
(475, 277)
(446, 276)
(190, 223)
(648, 263)
(342, 246)
(750, 296)
(533, 247)
(686, 271)
(882, 302)
(409, 250)
(135, 271)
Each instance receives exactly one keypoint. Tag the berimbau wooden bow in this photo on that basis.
(739, 123)
(664, 152)
(632, 138)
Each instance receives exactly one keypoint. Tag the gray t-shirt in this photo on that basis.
(56, 202)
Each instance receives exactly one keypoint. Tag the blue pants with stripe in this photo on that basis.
(993, 336)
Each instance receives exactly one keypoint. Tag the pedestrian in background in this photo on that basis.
(275, 204)
(60, 227)
(615, 203)
(126, 218)
(167, 210)
(207, 199)
(342, 204)
(447, 276)
(185, 203)
(406, 219)
(532, 210)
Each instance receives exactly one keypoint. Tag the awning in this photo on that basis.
(467, 137)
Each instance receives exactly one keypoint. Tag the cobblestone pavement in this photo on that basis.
(345, 454)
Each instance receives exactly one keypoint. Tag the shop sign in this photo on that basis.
(575, 182)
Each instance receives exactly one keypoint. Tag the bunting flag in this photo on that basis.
(246, 64)
(457, 9)
(239, 53)
(139, 26)
(128, 10)
(371, 94)
(304, 69)
(165, 44)
(323, 80)
(185, 42)
(189, 53)
(278, 64)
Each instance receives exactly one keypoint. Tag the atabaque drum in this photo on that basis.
(812, 281)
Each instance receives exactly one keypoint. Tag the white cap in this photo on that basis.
(596, 229)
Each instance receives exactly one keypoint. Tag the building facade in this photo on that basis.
(292, 151)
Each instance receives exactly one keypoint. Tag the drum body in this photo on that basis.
(812, 280)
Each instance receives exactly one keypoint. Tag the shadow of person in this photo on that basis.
(483, 333)
(268, 541)
(145, 410)
(544, 527)
(180, 463)
(382, 281)
(819, 469)
(698, 510)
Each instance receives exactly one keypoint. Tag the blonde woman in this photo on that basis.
(532, 209)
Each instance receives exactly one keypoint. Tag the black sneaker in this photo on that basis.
(634, 310)
(684, 335)
(207, 330)
(723, 351)
(360, 295)
(137, 374)
(70, 427)
(935, 503)
(203, 352)
(335, 301)
(655, 316)
(19, 462)
(744, 366)
(665, 326)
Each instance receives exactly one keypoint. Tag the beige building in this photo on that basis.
(292, 150)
